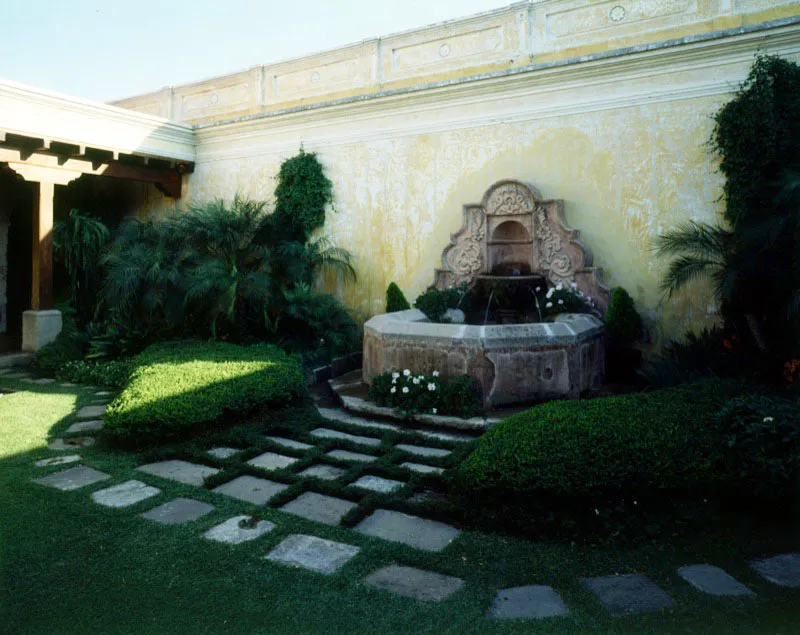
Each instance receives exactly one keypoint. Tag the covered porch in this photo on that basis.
(59, 152)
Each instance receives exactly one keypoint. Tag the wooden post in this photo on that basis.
(42, 291)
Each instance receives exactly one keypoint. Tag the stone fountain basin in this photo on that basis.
(512, 363)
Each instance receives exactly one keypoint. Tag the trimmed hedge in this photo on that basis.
(112, 374)
(176, 387)
(663, 439)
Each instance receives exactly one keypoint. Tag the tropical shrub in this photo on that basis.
(623, 323)
(425, 394)
(111, 374)
(395, 299)
(308, 319)
(179, 387)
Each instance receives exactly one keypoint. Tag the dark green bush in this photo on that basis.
(69, 346)
(111, 374)
(176, 388)
(652, 440)
(623, 323)
(434, 303)
(301, 195)
(395, 299)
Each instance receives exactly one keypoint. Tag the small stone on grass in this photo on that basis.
(325, 433)
(180, 471)
(85, 426)
(291, 443)
(378, 484)
(323, 509)
(250, 489)
(178, 511)
(323, 471)
(527, 602)
(422, 469)
(414, 583)
(310, 552)
(420, 450)
(629, 593)
(712, 580)
(71, 443)
(223, 453)
(233, 532)
(91, 412)
(125, 494)
(59, 460)
(103, 393)
(272, 461)
(413, 531)
(783, 569)
(346, 455)
(73, 478)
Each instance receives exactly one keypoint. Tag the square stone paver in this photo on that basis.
(422, 469)
(414, 583)
(73, 478)
(783, 569)
(454, 437)
(44, 381)
(85, 426)
(310, 552)
(125, 494)
(629, 593)
(291, 443)
(346, 455)
(712, 580)
(527, 602)
(251, 489)
(420, 450)
(61, 445)
(272, 461)
(325, 433)
(177, 511)
(323, 471)
(378, 484)
(344, 417)
(103, 393)
(413, 531)
(59, 460)
(91, 412)
(17, 376)
(233, 533)
(180, 471)
(323, 509)
(223, 453)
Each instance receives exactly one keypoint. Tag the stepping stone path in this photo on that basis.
(630, 593)
(323, 509)
(85, 426)
(783, 569)
(223, 453)
(456, 437)
(323, 471)
(272, 461)
(291, 443)
(346, 455)
(712, 580)
(378, 484)
(42, 382)
(60, 445)
(73, 478)
(315, 554)
(344, 417)
(91, 412)
(414, 583)
(422, 451)
(59, 460)
(125, 494)
(180, 471)
(237, 530)
(178, 511)
(17, 376)
(428, 535)
(326, 433)
(250, 489)
(422, 469)
(527, 602)
(103, 393)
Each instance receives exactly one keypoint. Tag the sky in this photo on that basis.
(110, 49)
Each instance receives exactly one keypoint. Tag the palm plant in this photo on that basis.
(307, 263)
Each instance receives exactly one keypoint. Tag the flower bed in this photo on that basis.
(426, 394)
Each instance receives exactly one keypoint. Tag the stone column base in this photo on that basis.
(39, 328)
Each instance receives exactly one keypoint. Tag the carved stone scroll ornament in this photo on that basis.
(551, 257)
(465, 258)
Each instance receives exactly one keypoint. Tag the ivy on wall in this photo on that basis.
(301, 196)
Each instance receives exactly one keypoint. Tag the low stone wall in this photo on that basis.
(514, 363)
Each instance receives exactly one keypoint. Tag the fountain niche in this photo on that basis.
(512, 236)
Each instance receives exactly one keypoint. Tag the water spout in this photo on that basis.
(488, 304)
(538, 309)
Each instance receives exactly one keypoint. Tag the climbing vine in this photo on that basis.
(301, 196)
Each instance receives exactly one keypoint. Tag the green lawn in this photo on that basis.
(68, 565)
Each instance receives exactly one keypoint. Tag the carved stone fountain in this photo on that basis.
(511, 228)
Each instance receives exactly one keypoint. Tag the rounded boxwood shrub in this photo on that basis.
(395, 299)
(178, 387)
(653, 440)
(623, 323)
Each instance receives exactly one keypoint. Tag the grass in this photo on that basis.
(68, 565)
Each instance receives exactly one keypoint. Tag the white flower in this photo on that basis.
(561, 301)
(405, 389)
(550, 293)
(394, 381)
(635, 503)
(434, 410)
(538, 289)
(406, 372)
(769, 419)
(559, 287)
(435, 373)
(393, 390)
(432, 387)
(395, 375)
(574, 285)
(596, 512)
(416, 381)
(548, 305)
